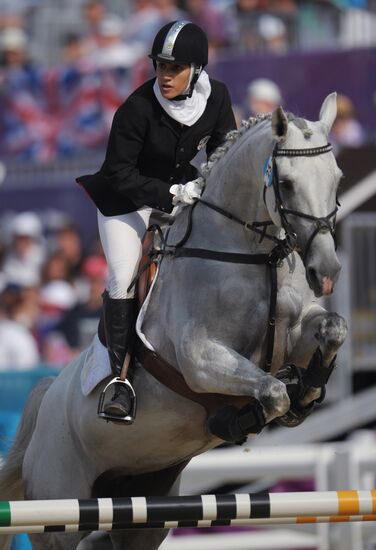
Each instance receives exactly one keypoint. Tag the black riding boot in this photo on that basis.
(119, 318)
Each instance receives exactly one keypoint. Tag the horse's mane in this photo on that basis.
(234, 135)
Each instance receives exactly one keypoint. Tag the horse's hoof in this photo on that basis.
(274, 397)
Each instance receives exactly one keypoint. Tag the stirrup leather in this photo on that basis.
(129, 418)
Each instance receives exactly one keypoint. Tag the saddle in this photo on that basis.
(147, 268)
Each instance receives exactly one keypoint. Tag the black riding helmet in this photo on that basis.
(181, 42)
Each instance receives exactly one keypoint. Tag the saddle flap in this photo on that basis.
(146, 273)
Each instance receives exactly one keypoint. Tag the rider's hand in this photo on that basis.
(188, 193)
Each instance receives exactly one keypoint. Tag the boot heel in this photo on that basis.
(126, 419)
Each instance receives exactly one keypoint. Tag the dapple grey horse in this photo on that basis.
(208, 318)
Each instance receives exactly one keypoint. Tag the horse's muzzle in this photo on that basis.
(322, 285)
(327, 286)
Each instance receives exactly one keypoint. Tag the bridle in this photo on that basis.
(283, 247)
(322, 223)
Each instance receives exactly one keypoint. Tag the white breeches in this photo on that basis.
(121, 240)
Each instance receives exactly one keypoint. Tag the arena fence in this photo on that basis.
(107, 514)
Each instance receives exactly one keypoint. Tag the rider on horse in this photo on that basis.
(155, 134)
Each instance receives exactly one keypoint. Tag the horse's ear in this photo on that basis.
(279, 124)
(328, 111)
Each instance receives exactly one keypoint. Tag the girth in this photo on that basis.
(167, 375)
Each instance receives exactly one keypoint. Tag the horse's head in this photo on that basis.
(301, 191)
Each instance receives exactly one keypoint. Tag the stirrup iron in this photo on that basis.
(129, 418)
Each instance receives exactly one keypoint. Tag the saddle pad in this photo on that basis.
(96, 366)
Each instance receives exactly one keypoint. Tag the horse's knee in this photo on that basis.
(332, 332)
(274, 397)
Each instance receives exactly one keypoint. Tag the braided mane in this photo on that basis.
(234, 135)
(231, 137)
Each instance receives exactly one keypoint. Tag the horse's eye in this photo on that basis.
(286, 184)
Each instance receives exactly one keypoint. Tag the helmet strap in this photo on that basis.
(196, 71)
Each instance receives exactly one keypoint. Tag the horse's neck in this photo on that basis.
(236, 185)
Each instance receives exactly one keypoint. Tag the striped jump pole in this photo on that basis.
(74, 528)
(186, 511)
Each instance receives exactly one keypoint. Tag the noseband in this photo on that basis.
(322, 224)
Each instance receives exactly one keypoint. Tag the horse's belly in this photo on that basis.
(71, 446)
(167, 430)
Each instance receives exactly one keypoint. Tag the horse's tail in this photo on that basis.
(11, 486)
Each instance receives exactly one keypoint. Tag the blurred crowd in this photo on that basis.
(117, 33)
(263, 96)
(65, 68)
(50, 292)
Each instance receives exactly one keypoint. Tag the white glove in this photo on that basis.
(188, 193)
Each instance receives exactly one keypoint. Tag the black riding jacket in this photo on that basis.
(148, 151)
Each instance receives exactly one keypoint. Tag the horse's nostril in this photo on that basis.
(311, 273)
(312, 278)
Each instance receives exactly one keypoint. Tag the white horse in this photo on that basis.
(208, 317)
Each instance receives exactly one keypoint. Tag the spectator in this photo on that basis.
(147, 18)
(23, 305)
(169, 11)
(67, 241)
(263, 96)
(21, 72)
(346, 130)
(26, 125)
(287, 12)
(80, 323)
(13, 46)
(56, 297)
(273, 34)
(72, 49)
(215, 23)
(94, 12)
(257, 29)
(86, 99)
(56, 268)
(111, 51)
(141, 26)
(26, 253)
(18, 348)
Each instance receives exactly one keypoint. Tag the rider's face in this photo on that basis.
(173, 79)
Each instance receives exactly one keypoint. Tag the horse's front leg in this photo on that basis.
(209, 366)
(315, 344)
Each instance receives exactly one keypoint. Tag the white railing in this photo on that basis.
(358, 242)
(346, 465)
